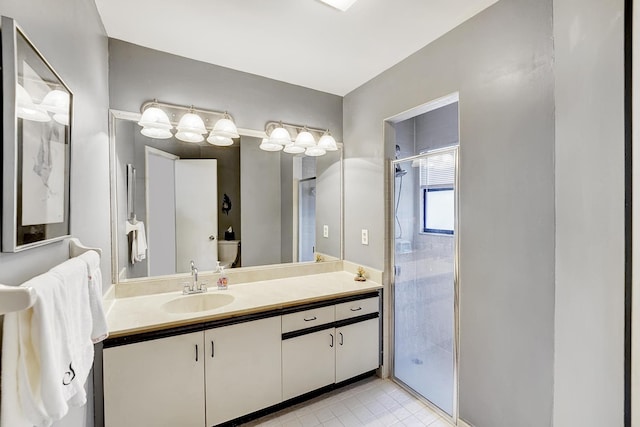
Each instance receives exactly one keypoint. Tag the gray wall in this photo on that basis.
(70, 35)
(589, 295)
(138, 74)
(500, 62)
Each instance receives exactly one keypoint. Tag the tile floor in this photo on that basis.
(370, 402)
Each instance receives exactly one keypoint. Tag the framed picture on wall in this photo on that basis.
(36, 131)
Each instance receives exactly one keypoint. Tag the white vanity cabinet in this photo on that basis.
(155, 383)
(329, 345)
(242, 369)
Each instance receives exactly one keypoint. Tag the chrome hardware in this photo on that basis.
(194, 287)
(310, 319)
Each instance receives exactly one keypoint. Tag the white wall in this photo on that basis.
(71, 36)
(589, 168)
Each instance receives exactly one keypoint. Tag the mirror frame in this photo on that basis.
(114, 115)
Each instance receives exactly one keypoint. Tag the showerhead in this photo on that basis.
(400, 172)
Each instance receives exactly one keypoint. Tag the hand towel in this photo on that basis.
(74, 308)
(99, 331)
(38, 374)
(138, 241)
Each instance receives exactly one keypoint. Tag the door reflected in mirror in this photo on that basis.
(237, 205)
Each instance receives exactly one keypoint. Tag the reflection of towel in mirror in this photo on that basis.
(138, 241)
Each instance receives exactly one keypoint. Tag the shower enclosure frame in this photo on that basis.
(391, 206)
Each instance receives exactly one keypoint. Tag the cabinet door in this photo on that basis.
(308, 363)
(243, 369)
(155, 383)
(357, 349)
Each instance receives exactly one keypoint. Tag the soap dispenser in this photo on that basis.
(223, 280)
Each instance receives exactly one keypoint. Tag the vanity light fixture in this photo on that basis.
(57, 102)
(279, 133)
(158, 119)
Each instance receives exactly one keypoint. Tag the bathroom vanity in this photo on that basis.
(215, 358)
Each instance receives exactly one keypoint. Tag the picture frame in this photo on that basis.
(36, 150)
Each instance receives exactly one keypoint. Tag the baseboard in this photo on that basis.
(463, 423)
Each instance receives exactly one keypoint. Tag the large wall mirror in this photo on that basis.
(238, 205)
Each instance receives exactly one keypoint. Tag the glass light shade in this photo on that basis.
(293, 149)
(305, 140)
(220, 141)
(328, 142)
(315, 151)
(188, 136)
(280, 136)
(153, 117)
(156, 133)
(191, 123)
(26, 109)
(268, 146)
(63, 119)
(56, 102)
(225, 128)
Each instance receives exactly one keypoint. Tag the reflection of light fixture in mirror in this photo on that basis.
(305, 141)
(293, 149)
(155, 123)
(26, 109)
(57, 102)
(191, 128)
(280, 136)
(328, 142)
(268, 146)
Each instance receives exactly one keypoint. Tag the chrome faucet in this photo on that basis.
(194, 287)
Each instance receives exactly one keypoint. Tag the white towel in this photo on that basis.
(138, 241)
(47, 350)
(99, 331)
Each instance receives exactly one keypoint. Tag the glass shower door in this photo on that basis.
(424, 276)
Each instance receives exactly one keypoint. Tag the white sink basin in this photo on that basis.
(198, 302)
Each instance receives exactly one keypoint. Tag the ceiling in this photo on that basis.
(303, 42)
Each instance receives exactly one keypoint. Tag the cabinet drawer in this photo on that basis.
(347, 310)
(307, 319)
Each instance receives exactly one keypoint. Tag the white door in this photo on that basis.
(161, 212)
(243, 369)
(155, 383)
(196, 214)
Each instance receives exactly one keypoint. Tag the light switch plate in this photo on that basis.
(325, 231)
(365, 236)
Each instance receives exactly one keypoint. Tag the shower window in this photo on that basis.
(437, 175)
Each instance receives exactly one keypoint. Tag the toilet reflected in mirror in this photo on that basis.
(229, 253)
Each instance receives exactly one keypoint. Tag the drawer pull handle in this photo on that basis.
(341, 339)
(356, 309)
(310, 319)
(331, 341)
(197, 352)
(213, 352)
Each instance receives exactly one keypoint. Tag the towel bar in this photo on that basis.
(17, 298)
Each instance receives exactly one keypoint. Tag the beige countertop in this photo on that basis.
(146, 313)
